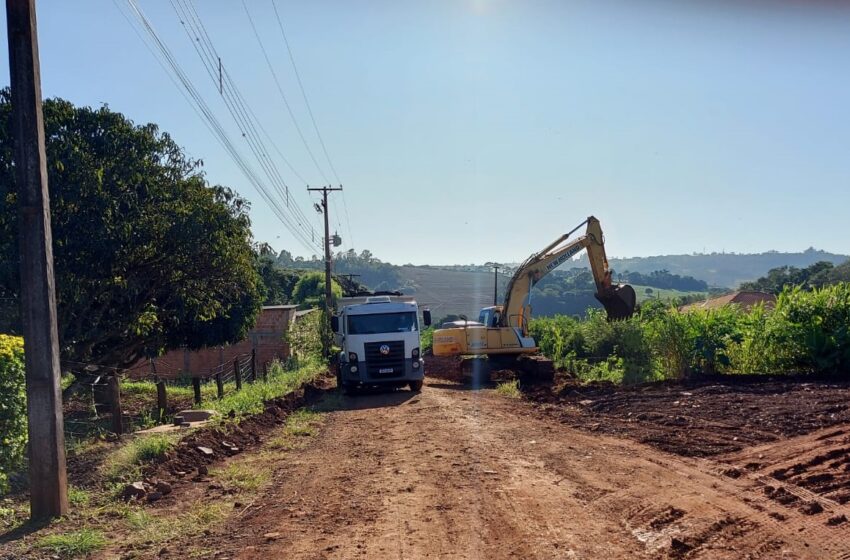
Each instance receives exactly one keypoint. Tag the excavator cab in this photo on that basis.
(619, 301)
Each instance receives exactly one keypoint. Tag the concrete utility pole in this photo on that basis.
(48, 482)
(328, 293)
(495, 267)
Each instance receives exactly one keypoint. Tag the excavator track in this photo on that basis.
(530, 369)
(475, 370)
(535, 368)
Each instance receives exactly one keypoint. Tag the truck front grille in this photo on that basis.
(385, 365)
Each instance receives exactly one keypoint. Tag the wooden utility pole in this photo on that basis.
(48, 482)
(328, 293)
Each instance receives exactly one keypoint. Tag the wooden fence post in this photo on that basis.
(219, 384)
(265, 371)
(114, 392)
(253, 365)
(237, 373)
(161, 400)
(196, 385)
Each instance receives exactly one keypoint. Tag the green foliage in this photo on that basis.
(579, 345)
(147, 256)
(310, 289)
(426, 338)
(74, 544)
(371, 271)
(509, 389)
(278, 284)
(124, 462)
(813, 328)
(817, 275)
(13, 406)
(305, 336)
(807, 332)
(282, 381)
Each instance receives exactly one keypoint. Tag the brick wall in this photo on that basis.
(266, 338)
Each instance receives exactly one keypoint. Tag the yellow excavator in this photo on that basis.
(501, 332)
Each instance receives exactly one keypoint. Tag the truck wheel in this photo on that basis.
(415, 386)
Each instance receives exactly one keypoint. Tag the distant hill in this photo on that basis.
(719, 269)
(449, 292)
(464, 289)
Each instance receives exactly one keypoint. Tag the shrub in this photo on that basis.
(810, 329)
(13, 406)
(305, 335)
(807, 332)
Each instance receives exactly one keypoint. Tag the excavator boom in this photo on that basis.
(619, 301)
(502, 335)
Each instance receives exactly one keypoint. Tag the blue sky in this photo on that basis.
(478, 130)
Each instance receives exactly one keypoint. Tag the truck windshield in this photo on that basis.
(382, 323)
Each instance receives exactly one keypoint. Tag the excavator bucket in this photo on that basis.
(619, 302)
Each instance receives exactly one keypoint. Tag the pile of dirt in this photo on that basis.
(721, 415)
(443, 367)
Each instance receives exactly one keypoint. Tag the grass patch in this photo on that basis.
(241, 477)
(509, 389)
(154, 530)
(78, 497)
(138, 518)
(148, 389)
(76, 543)
(127, 459)
(302, 423)
(251, 399)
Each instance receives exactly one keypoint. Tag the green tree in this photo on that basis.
(310, 289)
(13, 407)
(278, 283)
(147, 256)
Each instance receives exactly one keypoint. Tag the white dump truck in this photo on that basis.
(379, 341)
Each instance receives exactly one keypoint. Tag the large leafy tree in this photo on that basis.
(147, 256)
(310, 289)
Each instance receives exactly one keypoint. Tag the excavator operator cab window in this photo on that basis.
(489, 317)
(484, 317)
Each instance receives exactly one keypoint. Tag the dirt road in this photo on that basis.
(456, 473)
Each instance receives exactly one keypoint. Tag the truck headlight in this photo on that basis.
(352, 357)
(415, 353)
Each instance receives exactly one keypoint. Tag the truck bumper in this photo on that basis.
(364, 374)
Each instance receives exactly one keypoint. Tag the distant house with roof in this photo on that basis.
(744, 299)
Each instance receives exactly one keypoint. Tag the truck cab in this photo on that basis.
(379, 341)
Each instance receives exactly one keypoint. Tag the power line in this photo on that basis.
(312, 117)
(236, 103)
(283, 95)
(215, 126)
(237, 106)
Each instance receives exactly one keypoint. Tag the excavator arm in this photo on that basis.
(619, 301)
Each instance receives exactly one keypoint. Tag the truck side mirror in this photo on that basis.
(335, 324)
(426, 316)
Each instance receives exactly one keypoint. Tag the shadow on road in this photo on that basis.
(364, 399)
(460, 386)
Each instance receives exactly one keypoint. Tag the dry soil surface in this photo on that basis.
(458, 473)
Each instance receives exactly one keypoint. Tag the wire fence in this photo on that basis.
(101, 410)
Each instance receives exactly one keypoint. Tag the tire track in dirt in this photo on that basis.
(453, 473)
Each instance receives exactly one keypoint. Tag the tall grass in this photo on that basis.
(282, 380)
(807, 332)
